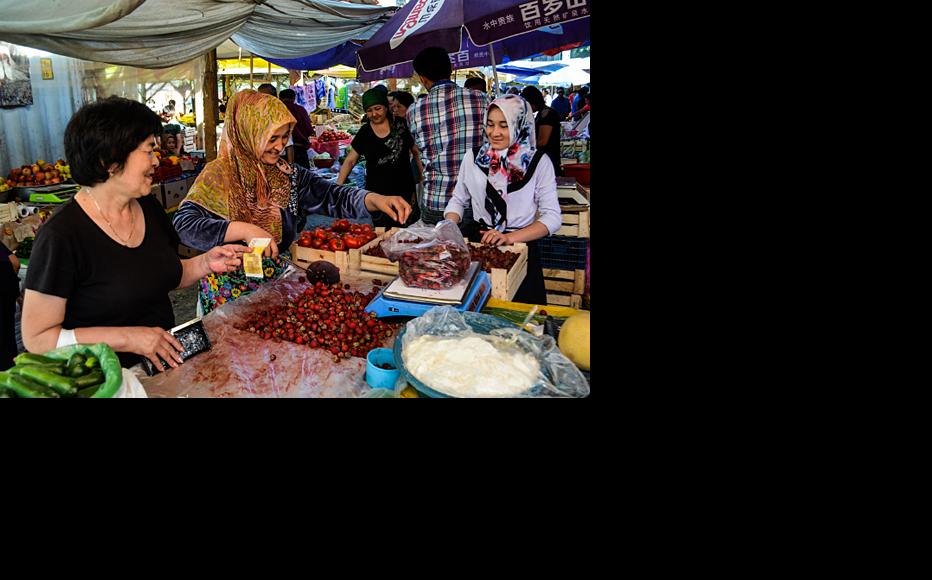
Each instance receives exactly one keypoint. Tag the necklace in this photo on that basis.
(132, 218)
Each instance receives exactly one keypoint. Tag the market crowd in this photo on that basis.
(109, 257)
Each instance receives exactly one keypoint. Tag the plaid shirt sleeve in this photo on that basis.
(445, 125)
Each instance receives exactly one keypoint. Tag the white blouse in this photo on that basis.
(536, 201)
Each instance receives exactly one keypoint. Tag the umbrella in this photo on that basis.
(570, 75)
(424, 23)
(472, 56)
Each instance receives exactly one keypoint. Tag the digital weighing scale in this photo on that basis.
(397, 299)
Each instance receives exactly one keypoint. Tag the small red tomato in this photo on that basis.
(320, 234)
(353, 242)
(337, 245)
(341, 225)
(305, 242)
(317, 243)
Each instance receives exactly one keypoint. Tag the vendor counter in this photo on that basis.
(242, 364)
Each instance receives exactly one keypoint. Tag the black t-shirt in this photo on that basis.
(388, 161)
(549, 117)
(106, 283)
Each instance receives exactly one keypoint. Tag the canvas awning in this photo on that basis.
(164, 33)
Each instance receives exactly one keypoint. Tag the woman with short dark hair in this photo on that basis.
(102, 266)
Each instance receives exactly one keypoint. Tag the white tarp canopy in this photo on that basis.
(164, 33)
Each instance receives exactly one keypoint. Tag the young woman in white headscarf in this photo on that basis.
(511, 187)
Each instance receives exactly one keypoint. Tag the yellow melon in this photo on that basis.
(574, 339)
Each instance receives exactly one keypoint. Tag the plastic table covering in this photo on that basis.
(240, 363)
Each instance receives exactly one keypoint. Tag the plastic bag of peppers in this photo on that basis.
(81, 370)
(439, 260)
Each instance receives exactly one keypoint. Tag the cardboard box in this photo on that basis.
(174, 192)
(156, 192)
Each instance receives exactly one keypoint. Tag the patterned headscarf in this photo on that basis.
(506, 166)
(238, 186)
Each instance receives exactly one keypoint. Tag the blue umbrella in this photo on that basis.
(471, 56)
(424, 23)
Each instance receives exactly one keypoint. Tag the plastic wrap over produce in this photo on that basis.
(439, 260)
(242, 364)
(557, 377)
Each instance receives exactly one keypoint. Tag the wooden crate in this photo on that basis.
(505, 283)
(571, 300)
(302, 254)
(565, 287)
(566, 281)
(359, 261)
(575, 224)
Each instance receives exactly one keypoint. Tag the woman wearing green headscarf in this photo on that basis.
(387, 145)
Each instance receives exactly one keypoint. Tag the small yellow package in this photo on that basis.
(252, 262)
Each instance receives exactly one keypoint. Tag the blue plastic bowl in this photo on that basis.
(380, 378)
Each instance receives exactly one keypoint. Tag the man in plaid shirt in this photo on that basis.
(445, 124)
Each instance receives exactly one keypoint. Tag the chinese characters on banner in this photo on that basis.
(534, 14)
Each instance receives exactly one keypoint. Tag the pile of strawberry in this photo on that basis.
(376, 250)
(327, 317)
(340, 236)
(328, 136)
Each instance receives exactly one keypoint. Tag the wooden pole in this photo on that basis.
(250, 71)
(293, 77)
(210, 106)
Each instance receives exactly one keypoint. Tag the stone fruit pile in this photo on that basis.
(39, 173)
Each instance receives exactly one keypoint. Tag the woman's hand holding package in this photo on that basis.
(222, 259)
(153, 343)
(392, 205)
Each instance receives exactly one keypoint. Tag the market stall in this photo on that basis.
(243, 364)
(399, 311)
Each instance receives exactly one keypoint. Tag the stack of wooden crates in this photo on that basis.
(564, 254)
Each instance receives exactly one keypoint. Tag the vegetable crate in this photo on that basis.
(505, 283)
(359, 261)
(563, 252)
(165, 172)
(302, 254)
(565, 287)
(575, 224)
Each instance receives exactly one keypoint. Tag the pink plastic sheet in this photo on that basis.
(240, 365)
